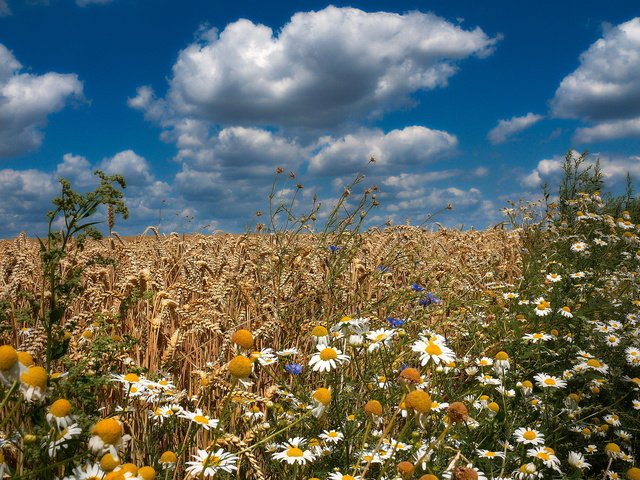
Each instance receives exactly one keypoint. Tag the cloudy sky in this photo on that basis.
(197, 102)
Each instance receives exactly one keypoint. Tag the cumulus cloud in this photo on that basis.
(605, 88)
(397, 149)
(26, 101)
(321, 69)
(507, 128)
(614, 168)
(27, 194)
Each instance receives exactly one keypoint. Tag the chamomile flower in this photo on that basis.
(576, 460)
(612, 340)
(327, 359)
(331, 436)
(199, 418)
(549, 381)
(33, 383)
(61, 439)
(379, 338)
(578, 275)
(433, 348)
(510, 295)
(543, 307)
(491, 455)
(293, 451)
(528, 436)
(320, 335)
(553, 277)
(579, 247)
(537, 337)
(59, 414)
(565, 312)
(108, 436)
(343, 476)
(546, 455)
(632, 355)
(208, 464)
(264, 357)
(353, 324)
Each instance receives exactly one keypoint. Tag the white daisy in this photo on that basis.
(208, 464)
(292, 451)
(327, 359)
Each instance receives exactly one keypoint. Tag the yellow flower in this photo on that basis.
(243, 338)
(418, 400)
(240, 367)
(8, 357)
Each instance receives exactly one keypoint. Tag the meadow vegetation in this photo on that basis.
(321, 349)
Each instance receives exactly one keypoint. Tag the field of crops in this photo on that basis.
(379, 354)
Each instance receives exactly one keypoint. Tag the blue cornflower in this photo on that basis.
(416, 287)
(429, 299)
(395, 322)
(294, 368)
(334, 248)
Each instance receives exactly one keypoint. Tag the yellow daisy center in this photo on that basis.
(530, 435)
(35, 377)
(549, 381)
(319, 331)
(328, 354)
(201, 419)
(294, 452)
(8, 357)
(594, 363)
(433, 349)
(61, 408)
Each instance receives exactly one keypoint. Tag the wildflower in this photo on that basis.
(612, 419)
(90, 471)
(351, 323)
(528, 436)
(240, 367)
(576, 460)
(433, 349)
(128, 379)
(457, 412)
(292, 453)
(146, 473)
(633, 473)
(8, 362)
(243, 338)
(553, 277)
(484, 362)
(612, 450)
(293, 368)
(33, 383)
(612, 341)
(579, 247)
(331, 436)
(632, 355)
(527, 471)
(543, 308)
(429, 299)
(419, 400)
(501, 363)
(208, 464)
(578, 275)
(60, 413)
(537, 337)
(565, 312)
(549, 381)
(320, 335)
(199, 418)
(395, 322)
(417, 288)
(341, 476)
(379, 338)
(373, 407)
(547, 455)
(510, 295)
(264, 357)
(322, 399)
(168, 459)
(108, 436)
(490, 454)
(327, 359)
(287, 352)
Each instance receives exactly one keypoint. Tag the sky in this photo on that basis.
(196, 103)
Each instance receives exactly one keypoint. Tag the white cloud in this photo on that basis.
(321, 69)
(609, 131)
(507, 128)
(27, 194)
(614, 168)
(5, 11)
(26, 102)
(605, 88)
(395, 150)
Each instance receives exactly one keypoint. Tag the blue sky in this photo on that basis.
(197, 102)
